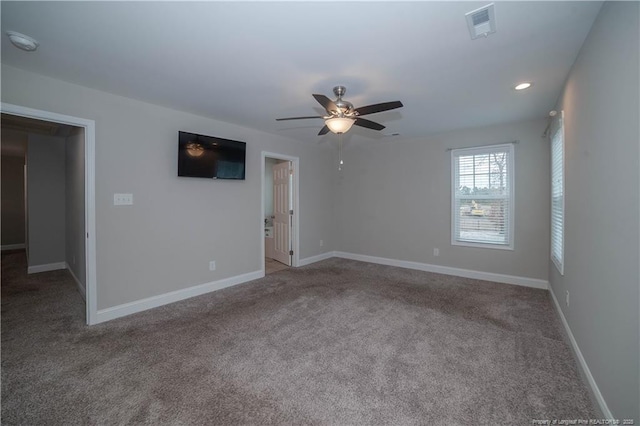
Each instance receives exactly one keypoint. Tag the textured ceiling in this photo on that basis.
(249, 63)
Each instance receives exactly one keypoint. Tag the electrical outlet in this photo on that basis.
(122, 199)
(436, 252)
(567, 300)
(321, 243)
(212, 265)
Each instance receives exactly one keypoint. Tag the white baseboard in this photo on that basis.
(313, 259)
(447, 270)
(81, 289)
(175, 296)
(163, 299)
(46, 268)
(12, 247)
(581, 361)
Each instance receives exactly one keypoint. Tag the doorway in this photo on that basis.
(82, 135)
(279, 217)
(44, 205)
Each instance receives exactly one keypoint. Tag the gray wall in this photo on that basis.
(46, 199)
(395, 201)
(601, 106)
(74, 207)
(165, 241)
(12, 200)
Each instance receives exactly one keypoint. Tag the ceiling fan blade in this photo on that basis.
(298, 118)
(368, 124)
(326, 103)
(323, 131)
(371, 109)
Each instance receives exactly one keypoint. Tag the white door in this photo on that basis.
(282, 212)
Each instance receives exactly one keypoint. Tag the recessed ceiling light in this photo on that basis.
(523, 86)
(22, 41)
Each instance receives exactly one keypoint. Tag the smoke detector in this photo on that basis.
(22, 41)
(481, 22)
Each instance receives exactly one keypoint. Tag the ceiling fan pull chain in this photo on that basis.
(340, 163)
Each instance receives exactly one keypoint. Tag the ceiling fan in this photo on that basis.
(341, 115)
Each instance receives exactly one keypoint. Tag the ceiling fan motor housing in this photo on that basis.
(344, 107)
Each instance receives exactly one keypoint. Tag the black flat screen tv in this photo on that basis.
(210, 157)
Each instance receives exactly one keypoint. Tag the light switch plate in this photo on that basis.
(122, 199)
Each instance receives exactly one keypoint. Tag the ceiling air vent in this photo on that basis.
(481, 22)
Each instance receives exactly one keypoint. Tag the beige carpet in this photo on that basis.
(334, 343)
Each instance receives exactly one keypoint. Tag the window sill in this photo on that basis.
(482, 245)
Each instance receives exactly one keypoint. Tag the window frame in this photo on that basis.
(559, 263)
(509, 148)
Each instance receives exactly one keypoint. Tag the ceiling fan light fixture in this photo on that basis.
(339, 125)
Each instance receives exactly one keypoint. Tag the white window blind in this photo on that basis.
(557, 195)
(482, 196)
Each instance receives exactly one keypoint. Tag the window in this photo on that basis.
(557, 195)
(482, 196)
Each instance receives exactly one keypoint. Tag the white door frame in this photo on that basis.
(89, 126)
(295, 232)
